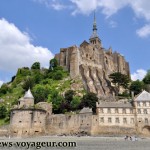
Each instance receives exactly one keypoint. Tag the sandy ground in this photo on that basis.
(83, 143)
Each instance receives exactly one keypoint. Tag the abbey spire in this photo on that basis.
(94, 27)
(94, 39)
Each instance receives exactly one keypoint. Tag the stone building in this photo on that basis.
(27, 119)
(134, 115)
(93, 64)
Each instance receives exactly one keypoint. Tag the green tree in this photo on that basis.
(53, 63)
(57, 101)
(28, 83)
(146, 79)
(136, 86)
(36, 65)
(3, 111)
(75, 102)
(58, 75)
(69, 95)
(4, 89)
(40, 93)
(120, 80)
(89, 100)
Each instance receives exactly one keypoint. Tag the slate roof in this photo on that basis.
(114, 105)
(144, 96)
(28, 94)
(86, 110)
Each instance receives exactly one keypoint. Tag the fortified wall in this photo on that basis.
(91, 62)
(121, 117)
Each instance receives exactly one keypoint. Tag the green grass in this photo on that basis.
(3, 122)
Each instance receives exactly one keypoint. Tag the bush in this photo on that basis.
(58, 75)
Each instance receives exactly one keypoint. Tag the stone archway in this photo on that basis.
(146, 130)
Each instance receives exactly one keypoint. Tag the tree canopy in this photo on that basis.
(136, 86)
(36, 65)
(120, 80)
(53, 63)
(146, 79)
(89, 100)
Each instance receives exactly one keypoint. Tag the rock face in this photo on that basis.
(93, 63)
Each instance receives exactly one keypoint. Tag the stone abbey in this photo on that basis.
(93, 64)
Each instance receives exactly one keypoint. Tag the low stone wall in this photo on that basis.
(114, 130)
(69, 124)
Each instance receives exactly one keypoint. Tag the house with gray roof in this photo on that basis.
(134, 114)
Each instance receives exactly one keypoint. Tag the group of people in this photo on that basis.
(131, 138)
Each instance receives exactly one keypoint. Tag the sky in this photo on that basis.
(35, 30)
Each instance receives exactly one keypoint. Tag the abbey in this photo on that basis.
(93, 64)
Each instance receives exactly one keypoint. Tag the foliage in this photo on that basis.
(69, 95)
(3, 111)
(56, 100)
(146, 79)
(75, 102)
(89, 100)
(58, 75)
(136, 86)
(120, 80)
(4, 89)
(36, 65)
(53, 63)
(28, 83)
(37, 76)
(40, 93)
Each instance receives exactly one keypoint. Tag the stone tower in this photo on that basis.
(93, 63)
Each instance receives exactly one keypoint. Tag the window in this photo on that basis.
(124, 111)
(131, 111)
(102, 119)
(116, 110)
(109, 120)
(117, 120)
(138, 104)
(144, 103)
(101, 110)
(109, 110)
(146, 121)
(145, 111)
(132, 120)
(125, 120)
(139, 111)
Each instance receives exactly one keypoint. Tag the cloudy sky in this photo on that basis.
(35, 30)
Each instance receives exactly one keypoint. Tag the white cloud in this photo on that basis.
(1, 82)
(16, 49)
(141, 8)
(138, 75)
(110, 7)
(113, 24)
(144, 31)
(55, 4)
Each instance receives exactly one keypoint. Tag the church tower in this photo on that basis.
(94, 39)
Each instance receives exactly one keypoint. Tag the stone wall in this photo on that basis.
(69, 124)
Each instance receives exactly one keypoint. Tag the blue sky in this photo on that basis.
(35, 30)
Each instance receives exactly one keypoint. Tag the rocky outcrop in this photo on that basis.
(93, 65)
